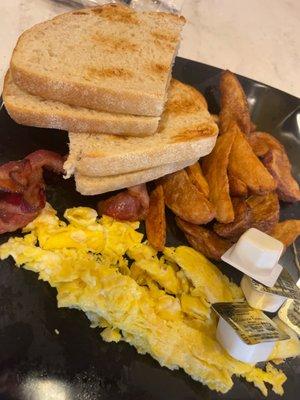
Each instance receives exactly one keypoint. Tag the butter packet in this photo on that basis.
(251, 325)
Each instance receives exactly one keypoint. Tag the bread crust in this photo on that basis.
(186, 131)
(146, 159)
(68, 119)
(84, 93)
(97, 185)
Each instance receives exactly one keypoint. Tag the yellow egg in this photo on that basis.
(159, 304)
(195, 306)
(73, 237)
(111, 335)
(81, 216)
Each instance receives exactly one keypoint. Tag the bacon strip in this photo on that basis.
(14, 213)
(14, 176)
(46, 159)
(22, 188)
(130, 205)
(140, 192)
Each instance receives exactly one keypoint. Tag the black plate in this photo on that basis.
(35, 363)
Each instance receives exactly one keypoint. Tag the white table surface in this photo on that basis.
(256, 38)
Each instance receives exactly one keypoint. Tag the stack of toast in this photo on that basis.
(104, 75)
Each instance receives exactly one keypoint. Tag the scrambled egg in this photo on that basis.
(159, 304)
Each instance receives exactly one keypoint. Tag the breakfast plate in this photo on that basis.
(50, 353)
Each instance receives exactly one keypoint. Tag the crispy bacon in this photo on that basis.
(14, 212)
(14, 176)
(46, 159)
(130, 205)
(22, 188)
(140, 191)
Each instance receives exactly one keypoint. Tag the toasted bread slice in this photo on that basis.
(27, 109)
(187, 131)
(109, 58)
(87, 185)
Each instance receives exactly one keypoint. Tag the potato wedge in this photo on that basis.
(216, 118)
(244, 165)
(197, 178)
(287, 231)
(276, 161)
(262, 142)
(242, 221)
(237, 187)
(252, 126)
(215, 171)
(156, 219)
(264, 211)
(204, 240)
(185, 200)
(234, 105)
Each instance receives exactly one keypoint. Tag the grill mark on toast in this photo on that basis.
(116, 13)
(97, 154)
(166, 46)
(108, 73)
(182, 106)
(158, 69)
(170, 16)
(79, 13)
(114, 44)
(164, 36)
(193, 134)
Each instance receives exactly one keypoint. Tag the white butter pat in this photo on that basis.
(261, 300)
(256, 254)
(270, 298)
(238, 349)
(246, 334)
(290, 313)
